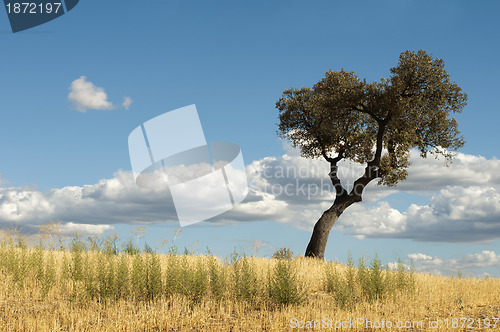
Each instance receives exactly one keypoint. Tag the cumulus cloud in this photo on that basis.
(22, 204)
(463, 200)
(486, 258)
(71, 228)
(425, 174)
(110, 201)
(467, 264)
(455, 214)
(85, 95)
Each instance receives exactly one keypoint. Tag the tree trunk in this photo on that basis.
(317, 244)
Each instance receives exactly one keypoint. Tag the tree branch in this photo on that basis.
(335, 160)
(379, 144)
(372, 170)
(340, 190)
(363, 110)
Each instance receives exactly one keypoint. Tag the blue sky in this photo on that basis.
(233, 59)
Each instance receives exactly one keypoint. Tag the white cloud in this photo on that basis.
(486, 258)
(85, 95)
(367, 221)
(426, 174)
(293, 190)
(455, 214)
(83, 230)
(110, 201)
(22, 204)
(464, 198)
(127, 101)
(421, 257)
(467, 264)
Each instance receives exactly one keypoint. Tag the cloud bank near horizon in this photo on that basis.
(470, 262)
(463, 200)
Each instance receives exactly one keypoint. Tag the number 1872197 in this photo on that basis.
(33, 8)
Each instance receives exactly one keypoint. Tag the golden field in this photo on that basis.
(79, 289)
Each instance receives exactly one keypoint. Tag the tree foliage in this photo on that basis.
(376, 123)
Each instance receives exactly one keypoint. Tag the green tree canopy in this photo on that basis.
(357, 120)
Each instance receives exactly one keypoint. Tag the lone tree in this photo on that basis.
(375, 124)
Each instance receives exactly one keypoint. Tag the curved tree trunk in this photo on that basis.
(317, 244)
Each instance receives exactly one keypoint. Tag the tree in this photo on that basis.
(375, 124)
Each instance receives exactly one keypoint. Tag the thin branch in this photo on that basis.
(372, 170)
(340, 190)
(335, 160)
(366, 111)
(379, 145)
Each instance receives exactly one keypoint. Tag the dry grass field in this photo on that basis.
(97, 289)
